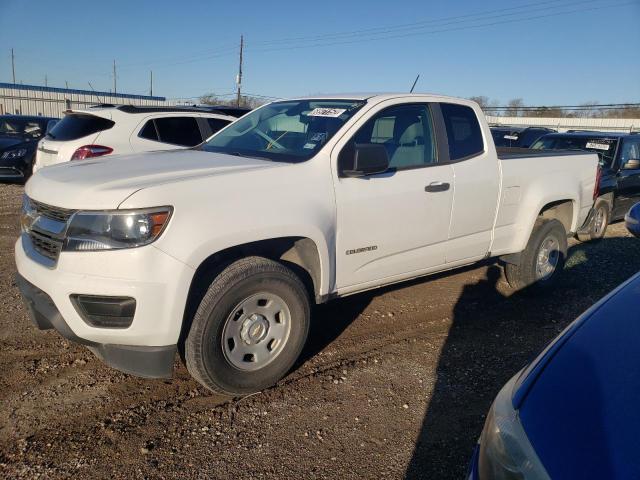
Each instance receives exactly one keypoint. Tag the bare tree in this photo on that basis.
(245, 101)
(481, 100)
(514, 107)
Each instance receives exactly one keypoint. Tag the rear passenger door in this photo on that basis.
(476, 184)
(167, 133)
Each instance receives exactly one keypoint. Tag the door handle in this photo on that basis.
(437, 187)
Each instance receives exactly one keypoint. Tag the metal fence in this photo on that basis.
(52, 102)
(564, 124)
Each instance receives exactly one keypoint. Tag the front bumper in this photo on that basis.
(150, 362)
(158, 283)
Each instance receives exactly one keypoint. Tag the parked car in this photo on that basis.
(619, 181)
(220, 251)
(518, 137)
(109, 129)
(632, 220)
(572, 412)
(19, 135)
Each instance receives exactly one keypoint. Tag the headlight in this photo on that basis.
(12, 154)
(92, 231)
(505, 451)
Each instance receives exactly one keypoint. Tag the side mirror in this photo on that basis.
(368, 159)
(632, 164)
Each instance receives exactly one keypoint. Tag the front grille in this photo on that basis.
(45, 244)
(55, 213)
(47, 229)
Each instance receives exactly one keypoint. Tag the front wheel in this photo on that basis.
(542, 261)
(250, 327)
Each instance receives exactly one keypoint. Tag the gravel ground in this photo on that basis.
(393, 384)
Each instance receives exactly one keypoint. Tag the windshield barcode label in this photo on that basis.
(597, 146)
(326, 112)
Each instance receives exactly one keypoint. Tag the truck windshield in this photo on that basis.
(288, 131)
(603, 146)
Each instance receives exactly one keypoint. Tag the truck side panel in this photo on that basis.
(532, 182)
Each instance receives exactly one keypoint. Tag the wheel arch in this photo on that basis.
(301, 254)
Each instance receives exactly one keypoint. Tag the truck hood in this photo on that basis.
(106, 182)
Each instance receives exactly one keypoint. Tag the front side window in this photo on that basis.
(149, 131)
(406, 131)
(630, 150)
(182, 131)
(288, 131)
(463, 131)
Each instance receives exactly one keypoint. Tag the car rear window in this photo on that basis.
(217, 124)
(179, 131)
(463, 131)
(74, 126)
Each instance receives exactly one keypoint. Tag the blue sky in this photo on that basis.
(574, 51)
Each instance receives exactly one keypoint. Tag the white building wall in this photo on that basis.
(564, 124)
(52, 102)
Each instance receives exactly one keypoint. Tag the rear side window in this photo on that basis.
(217, 124)
(149, 131)
(179, 131)
(463, 131)
(74, 126)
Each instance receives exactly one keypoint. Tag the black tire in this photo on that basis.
(204, 353)
(525, 274)
(598, 225)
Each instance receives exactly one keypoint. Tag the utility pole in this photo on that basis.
(66, 84)
(114, 78)
(45, 80)
(151, 85)
(13, 66)
(239, 82)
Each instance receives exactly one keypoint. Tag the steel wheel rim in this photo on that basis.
(599, 221)
(548, 258)
(256, 331)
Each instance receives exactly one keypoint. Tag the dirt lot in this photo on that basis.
(394, 384)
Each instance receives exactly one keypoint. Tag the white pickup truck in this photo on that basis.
(220, 251)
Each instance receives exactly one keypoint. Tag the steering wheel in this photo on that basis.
(269, 139)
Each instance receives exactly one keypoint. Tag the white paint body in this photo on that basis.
(222, 201)
(123, 137)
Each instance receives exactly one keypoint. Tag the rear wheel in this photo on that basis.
(599, 223)
(250, 327)
(542, 261)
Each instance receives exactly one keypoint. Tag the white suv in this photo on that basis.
(109, 129)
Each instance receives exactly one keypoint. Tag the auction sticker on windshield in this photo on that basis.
(597, 145)
(326, 112)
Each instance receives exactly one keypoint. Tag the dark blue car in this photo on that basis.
(632, 220)
(574, 412)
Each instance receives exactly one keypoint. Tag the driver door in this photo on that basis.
(393, 225)
(628, 177)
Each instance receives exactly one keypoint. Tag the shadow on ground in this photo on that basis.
(492, 337)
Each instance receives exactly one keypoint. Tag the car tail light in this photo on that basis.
(88, 151)
(596, 190)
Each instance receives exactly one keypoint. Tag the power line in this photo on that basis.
(430, 32)
(521, 9)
